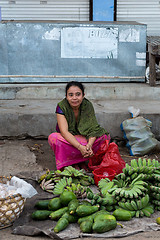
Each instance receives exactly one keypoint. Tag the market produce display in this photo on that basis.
(133, 193)
(71, 179)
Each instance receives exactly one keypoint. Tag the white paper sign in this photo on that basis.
(86, 42)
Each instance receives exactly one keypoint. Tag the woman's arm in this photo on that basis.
(91, 141)
(63, 127)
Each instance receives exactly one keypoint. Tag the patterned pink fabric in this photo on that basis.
(66, 154)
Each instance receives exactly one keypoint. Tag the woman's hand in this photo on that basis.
(86, 151)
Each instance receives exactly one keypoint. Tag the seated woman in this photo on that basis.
(78, 134)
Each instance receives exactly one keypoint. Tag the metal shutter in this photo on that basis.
(76, 10)
(142, 11)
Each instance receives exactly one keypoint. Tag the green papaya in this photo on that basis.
(122, 215)
(72, 206)
(42, 204)
(66, 196)
(91, 217)
(61, 225)
(84, 219)
(86, 226)
(85, 210)
(101, 226)
(41, 214)
(58, 213)
(54, 204)
(70, 218)
(103, 216)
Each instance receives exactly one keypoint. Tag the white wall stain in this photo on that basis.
(37, 27)
(129, 35)
(141, 63)
(141, 55)
(18, 25)
(54, 34)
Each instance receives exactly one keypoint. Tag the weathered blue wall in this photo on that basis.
(59, 51)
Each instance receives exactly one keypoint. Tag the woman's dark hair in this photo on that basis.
(75, 83)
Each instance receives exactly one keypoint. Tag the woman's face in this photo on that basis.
(74, 97)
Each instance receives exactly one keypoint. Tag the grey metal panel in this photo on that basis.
(144, 11)
(34, 51)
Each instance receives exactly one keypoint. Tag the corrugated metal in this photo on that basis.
(45, 10)
(142, 11)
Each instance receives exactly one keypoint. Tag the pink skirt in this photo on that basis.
(66, 154)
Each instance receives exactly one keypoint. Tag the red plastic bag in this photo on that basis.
(95, 161)
(107, 156)
(112, 159)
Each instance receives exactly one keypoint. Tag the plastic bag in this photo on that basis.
(112, 159)
(96, 159)
(137, 132)
(22, 187)
(107, 156)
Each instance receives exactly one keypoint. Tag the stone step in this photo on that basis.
(37, 118)
(94, 91)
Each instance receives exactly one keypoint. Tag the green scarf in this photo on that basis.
(86, 124)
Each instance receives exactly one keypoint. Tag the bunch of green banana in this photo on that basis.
(129, 191)
(67, 183)
(79, 175)
(139, 208)
(145, 166)
(135, 205)
(74, 173)
(145, 212)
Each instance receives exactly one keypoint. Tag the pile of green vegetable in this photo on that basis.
(67, 209)
(133, 193)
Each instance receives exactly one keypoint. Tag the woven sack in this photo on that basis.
(10, 207)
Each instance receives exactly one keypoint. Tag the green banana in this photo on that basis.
(134, 163)
(137, 215)
(134, 205)
(144, 162)
(139, 204)
(141, 213)
(145, 201)
(146, 212)
(140, 163)
(137, 190)
(134, 175)
(122, 205)
(149, 162)
(128, 206)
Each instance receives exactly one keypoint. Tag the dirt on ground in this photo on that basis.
(45, 156)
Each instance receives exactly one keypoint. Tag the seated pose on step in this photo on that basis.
(78, 134)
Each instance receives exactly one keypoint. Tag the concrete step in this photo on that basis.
(94, 91)
(37, 118)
